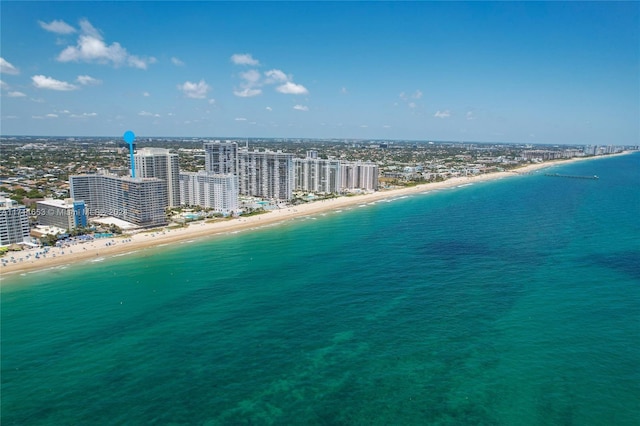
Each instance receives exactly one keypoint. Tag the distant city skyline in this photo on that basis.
(524, 72)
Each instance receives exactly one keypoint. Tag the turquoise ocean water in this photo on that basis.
(513, 302)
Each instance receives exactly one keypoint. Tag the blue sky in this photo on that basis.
(557, 72)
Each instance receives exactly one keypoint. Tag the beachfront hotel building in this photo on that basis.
(266, 174)
(14, 222)
(221, 157)
(358, 175)
(317, 175)
(218, 192)
(140, 201)
(65, 214)
(162, 164)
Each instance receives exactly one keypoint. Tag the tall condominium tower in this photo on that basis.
(221, 157)
(210, 190)
(317, 175)
(140, 201)
(162, 164)
(266, 174)
(14, 222)
(359, 175)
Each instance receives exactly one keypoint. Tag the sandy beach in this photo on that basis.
(99, 249)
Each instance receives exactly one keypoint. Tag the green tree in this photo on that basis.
(115, 229)
(18, 195)
(49, 240)
(34, 193)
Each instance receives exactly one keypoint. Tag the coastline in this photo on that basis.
(111, 247)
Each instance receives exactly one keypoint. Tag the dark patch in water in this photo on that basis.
(627, 262)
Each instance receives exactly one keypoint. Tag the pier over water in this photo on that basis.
(593, 177)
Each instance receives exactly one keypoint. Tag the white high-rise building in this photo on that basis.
(209, 190)
(221, 157)
(162, 164)
(266, 174)
(65, 214)
(317, 175)
(14, 222)
(141, 201)
(359, 175)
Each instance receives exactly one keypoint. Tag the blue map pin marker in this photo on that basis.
(129, 137)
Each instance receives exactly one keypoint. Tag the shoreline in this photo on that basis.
(100, 249)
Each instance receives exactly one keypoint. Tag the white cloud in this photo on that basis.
(276, 76)
(4, 85)
(412, 105)
(301, 107)
(90, 30)
(403, 96)
(248, 87)
(145, 114)
(343, 90)
(91, 47)
(7, 68)
(269, 108)
(290, 88)
(194, 90)
(470, 115)
(142, 63)
(244, 59)
(42, 82)
(86, 80)
(247, 92)
(241, 119)
(16, 94)
(58, 27)
(84, 115)
(442, 114)
(52, 115)
(364, 126)
(417, 94)
(251, 76)
(386, 126)
(212, 101)
(146, 94)
(177, 62)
